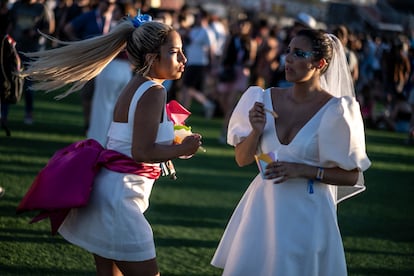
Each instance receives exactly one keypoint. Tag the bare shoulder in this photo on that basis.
(151, 94)
(156, 91)
(151, 98)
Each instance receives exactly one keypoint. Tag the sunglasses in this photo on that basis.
(297, 53)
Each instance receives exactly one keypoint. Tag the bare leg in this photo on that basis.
(144, 268)
(198, 96)
(108, 267)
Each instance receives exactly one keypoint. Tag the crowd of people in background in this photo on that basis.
(226, 55)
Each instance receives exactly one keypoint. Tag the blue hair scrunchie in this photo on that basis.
(141, 19)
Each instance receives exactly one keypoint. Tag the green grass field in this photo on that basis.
(189, 215)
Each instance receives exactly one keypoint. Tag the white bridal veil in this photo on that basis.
(337, 79)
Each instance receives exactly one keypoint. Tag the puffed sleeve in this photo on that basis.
(342, 143)
(239, 125)
(342, 136)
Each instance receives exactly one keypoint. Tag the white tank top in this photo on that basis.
(120, 134)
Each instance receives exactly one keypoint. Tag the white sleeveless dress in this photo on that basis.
(112, 225)
(284, 229)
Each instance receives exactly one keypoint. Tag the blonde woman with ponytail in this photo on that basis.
(112, 225)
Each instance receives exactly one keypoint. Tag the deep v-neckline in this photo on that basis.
(312, 118)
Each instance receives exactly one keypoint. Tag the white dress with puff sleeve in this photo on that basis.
(285, 229)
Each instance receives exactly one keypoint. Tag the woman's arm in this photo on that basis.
(148, 115)
(282, 171)
(245, 150)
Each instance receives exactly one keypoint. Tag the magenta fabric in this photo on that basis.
(67, 179)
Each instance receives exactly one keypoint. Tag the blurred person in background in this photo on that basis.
(108, 85)
(342, 33)
(200, 54)
(218, 25)
(410, 90)
(260, 33)
(398, 118)
(49, 6)
(397, 69)
(86, 25)
(238, 57)
(369, 64)
(5, 28)
(269, 71)
(220, 29)
(184, 22)
(28, 17)
(65, 11)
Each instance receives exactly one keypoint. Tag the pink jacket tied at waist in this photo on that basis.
(67, 179)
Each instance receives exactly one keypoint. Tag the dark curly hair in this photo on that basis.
(321, 45)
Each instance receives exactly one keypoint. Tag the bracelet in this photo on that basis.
(319, 174)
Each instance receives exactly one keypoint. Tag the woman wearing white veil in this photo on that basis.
(286, 222)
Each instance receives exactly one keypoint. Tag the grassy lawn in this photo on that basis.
(189, 215)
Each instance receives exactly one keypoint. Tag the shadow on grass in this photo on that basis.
(383, 211)
(30, 155)
(37, 237)
(180, 215)
(380, 272)
(163, 242)
(30, 271)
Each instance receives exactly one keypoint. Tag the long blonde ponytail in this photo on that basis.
(75, 63)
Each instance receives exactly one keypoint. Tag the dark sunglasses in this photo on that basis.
(299, 53)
